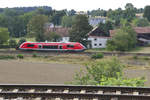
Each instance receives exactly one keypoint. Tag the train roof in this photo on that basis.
(52, 42)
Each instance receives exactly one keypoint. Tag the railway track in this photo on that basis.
(71, 92)
(47, 53)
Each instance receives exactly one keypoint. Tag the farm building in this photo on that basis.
(143, 35)
(97, 38)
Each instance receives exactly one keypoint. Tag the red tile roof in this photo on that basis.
(63, 32)
(138, 30)
(141, 30)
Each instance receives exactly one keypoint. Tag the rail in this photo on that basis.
(29, 53)
(71, 92)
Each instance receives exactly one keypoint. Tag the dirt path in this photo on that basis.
(36, 73)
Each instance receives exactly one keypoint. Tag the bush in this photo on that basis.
(146, 58)
(34, 55)
(97, 56)
(106, 72)
(7, 57)
(12, 43)
(135, 57)
(20, 56)
(123, 40)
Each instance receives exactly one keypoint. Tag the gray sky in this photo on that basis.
(79, 5)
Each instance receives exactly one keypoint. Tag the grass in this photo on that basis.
(96, 50)
(6, 57)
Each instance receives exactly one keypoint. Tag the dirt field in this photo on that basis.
(20, 72)
(25, 72)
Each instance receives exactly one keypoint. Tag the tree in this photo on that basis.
(80, 29)
(4, 35)
(52, 36)
(67, 21)
(140, 22)
(105, 27)
(106, 72)
(123, 40)
(36, 27)
(147, 12)
(57, 17)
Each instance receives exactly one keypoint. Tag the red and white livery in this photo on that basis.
(52, 46)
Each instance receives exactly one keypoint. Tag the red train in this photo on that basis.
(52, 46)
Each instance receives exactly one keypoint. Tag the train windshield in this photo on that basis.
(30, 45)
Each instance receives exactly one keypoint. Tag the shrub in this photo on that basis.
(97, 56)
(12, 43)
(20, 56)
(106, 72)
(34, 55)
(146, 58)
(135, 57)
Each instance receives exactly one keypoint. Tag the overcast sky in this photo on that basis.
(79, 5)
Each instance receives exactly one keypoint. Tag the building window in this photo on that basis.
(95, 39)
(100, 44)
(95, 44)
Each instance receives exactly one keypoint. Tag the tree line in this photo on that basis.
(31, 21)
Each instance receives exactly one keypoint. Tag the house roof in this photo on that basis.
(96, 32)
(138, 30)
(63, 32)
(142, 30)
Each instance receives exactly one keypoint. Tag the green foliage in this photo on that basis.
(97, 56)
(20, 56)
(36, 27)
(140, 22)
(147, 12)
(135, 57)
(123, 40)
(106, 72)
(97, 70)
(105, 27)
(67, 21)
(120, 81)
(4, 35)
(4, 57)
(57, 17)
(34, 55)
(52, 36)
(118, 14)
(12, 43)
(80, 29)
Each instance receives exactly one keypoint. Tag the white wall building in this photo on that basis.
(97, 38)
(98, 42)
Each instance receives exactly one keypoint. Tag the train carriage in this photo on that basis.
(52, 46)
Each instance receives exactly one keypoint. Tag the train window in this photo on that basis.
(60, 47)
(30, 45)
(70, 46)
(40, 46)
(50, 47)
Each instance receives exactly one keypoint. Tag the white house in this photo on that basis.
(97, 38)
(98, 41)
